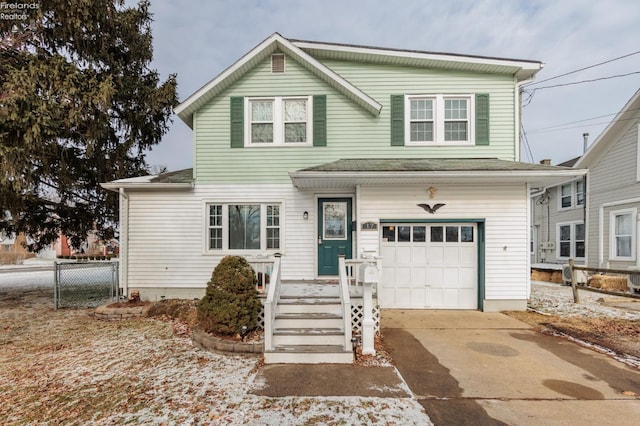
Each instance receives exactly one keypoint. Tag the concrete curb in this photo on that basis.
(217, 345)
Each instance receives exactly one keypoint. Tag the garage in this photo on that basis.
(429, 266)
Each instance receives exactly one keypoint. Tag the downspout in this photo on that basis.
(123, 270)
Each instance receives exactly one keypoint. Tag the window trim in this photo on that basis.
(572, 239)
(278, 121)
(633, 212)
(225, 250)
(439, 119)
(573, 194)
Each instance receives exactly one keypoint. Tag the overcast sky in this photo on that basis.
(198, 39)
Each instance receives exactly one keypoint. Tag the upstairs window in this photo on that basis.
(439, 119)
(278, 121)
(572, 195)
(571, 240)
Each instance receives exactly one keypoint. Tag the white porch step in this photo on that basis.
(307, 320)
(304, 354)
(312, 336)
(306, 305)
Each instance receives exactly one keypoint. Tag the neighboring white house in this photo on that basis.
(314, 149)
(613, 191)
(596, 223)
(558, 221)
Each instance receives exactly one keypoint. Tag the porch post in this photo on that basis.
(368, 325)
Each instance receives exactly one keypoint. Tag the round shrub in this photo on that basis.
(231, 300)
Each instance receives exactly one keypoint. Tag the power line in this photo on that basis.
(585, 81)
(578, 121)
(526, 142)
(583, 69)
(581, 127)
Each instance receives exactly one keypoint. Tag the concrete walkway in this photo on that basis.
(468, 367)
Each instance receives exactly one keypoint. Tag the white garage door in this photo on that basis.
(432, 266)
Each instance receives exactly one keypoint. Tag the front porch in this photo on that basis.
(318, 321)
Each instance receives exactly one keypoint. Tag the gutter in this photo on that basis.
(115, 186)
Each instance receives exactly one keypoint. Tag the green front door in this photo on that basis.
(334, 233)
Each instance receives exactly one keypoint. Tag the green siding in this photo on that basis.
(351, 132)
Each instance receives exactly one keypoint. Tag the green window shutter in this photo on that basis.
(237, 122)
(482, 119)
(397, 120)
(320, 120)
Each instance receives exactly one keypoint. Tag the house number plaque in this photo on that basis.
(369, 226)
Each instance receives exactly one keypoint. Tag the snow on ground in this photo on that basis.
(558, 299)
(64, 366)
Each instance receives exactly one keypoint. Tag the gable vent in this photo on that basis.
(277, 63)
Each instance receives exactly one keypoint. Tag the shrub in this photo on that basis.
(231, 300)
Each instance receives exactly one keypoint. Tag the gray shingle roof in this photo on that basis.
(427, 165)
(179, 176)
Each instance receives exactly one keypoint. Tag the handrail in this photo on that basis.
(270, 305)
(345, 301)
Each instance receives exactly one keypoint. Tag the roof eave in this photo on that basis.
(315, 179)
(115, 186)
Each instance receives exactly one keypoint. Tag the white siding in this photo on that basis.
(167, 232)
(503, 207)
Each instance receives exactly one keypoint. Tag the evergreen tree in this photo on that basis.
(79, 105)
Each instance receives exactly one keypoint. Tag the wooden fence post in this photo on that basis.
(574, 280)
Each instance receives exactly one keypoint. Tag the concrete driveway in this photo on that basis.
(475, 368)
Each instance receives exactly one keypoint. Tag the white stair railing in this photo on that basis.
(345, 301)
(271, 304)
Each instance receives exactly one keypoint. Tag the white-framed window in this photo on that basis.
(243, 226)
(278, 121)
(622, 234)
(571, 195)
(570, 236)
(439, 119)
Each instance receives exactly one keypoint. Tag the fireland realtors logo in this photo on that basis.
(16, 11)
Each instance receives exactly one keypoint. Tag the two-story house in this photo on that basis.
(558, 221)
(312, 150)
(594, 220)
(613, 191)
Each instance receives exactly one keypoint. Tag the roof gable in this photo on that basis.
(306, 52)
(612, 133)
(272, 44)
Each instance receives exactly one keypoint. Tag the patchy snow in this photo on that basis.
(65, 367)
(557, 299)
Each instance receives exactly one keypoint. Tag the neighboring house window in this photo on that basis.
(278, 121)
(571, 240)
(248, 226)
(622, 234)
(572, 194)
(439, 119)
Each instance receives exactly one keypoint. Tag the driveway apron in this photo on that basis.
(469, 367)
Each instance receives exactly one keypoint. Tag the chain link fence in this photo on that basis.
(85, 284)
